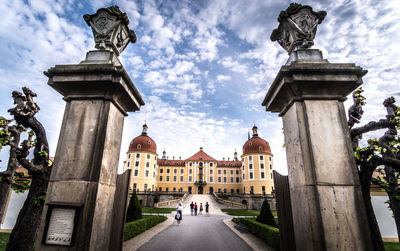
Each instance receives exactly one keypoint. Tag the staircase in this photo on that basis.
(214, 208)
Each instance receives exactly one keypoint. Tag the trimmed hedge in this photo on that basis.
(134, 209)
(137, 227)
(267, 233)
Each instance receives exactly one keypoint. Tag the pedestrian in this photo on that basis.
(201, 209)
(195, 209)
(191, 208)
(178, 215)
(207, 209)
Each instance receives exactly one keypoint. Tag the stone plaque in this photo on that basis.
(61, 226)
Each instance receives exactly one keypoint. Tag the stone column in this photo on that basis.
(99, 93)
(327, 205)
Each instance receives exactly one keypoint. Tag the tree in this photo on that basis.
(24, 232)
(379, 152)
(134, 209)
(265, 215)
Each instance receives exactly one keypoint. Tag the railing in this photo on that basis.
(170, 203)
(229, 203)
(200, 182)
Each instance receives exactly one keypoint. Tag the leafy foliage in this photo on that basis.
(137, 227)
(134, 209)
(265, 215)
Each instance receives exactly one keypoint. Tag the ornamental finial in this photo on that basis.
(110, 29)
(297, 27)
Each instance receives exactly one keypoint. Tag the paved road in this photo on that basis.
(198, 232)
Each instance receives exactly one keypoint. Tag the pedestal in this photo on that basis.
(327, 205)
(99, 93)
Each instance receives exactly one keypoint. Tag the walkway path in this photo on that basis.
(198, 232)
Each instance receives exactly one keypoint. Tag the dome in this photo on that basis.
(143, 143)
(256, 145)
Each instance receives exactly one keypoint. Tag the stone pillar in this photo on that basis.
(99, 93)
(327, 205)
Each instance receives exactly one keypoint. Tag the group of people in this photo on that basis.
(194, 207)
(193, 210)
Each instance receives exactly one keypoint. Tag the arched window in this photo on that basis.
(251, 143)
(139, 146)
(149, 142)
(260, 148)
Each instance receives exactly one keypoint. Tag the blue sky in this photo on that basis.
(202, 67)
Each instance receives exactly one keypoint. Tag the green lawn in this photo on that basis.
(392, 246)
(157, 210)
(3, 240)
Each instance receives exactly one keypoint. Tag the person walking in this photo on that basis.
(178, 215)
(191, 208)
(207, 209)
(201, 209)
(195, 209)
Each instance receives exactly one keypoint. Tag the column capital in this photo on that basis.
(311, 80)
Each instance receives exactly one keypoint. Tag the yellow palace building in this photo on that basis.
(200, 173)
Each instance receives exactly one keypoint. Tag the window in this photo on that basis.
(211, 179)
(224, 171)
(231, 179)
(174, 189)
(182, 170)
(271, 175)
(219, 171)
(251, 166)
(270, 159)
(148, 156)
(210, 171)
(136, 172)
(190, 171)
(232, 190)
(137, 163)
(251, 175)
(174, 178)
(224, 179)
(181, 189)
(168, 170)
(190, 178)
(219, 190)
(262, 175)
(261, 157)
(166, 189)
(211, 164)
(167, 178)
(160, 178)
(251, 189)
(237, 171)
(181, 178)
(190, 164)
(139, 146)
(250, 158)
(260, 148)
(129, 164)
(237, 179)
(237, 190)
(134, 185)
(145, 187)
(154, 175)
(161, 170)
(270, 166)
(160, 189)
(147, 164)
(263, 189)
(175, 170)
(224, 190)
(138, 155)
(231, 172)
(262, 166)
(129, 156)
(155, 157)
(147, 174)
(243, 176)
(219, 179)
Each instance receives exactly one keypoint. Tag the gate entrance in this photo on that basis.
(200, 189)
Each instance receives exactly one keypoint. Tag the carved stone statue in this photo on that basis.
(110, 29)
(297, 27)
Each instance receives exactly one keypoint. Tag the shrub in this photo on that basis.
(137, 227)
(265, 215)
(134, 209)
(267, 233)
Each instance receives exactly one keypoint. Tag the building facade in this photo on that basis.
(201, 173)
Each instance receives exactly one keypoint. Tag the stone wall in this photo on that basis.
(253, 201)
(148, 199)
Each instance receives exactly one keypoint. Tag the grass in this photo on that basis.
(157, 210)
(243, 212)
(392, 246)
(3, 240)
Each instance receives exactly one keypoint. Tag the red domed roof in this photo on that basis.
(143, 143)
(256, 145)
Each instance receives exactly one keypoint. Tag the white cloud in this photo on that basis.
(232, 65)
(222, 78)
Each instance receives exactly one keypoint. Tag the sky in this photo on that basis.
(203, 68)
